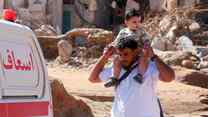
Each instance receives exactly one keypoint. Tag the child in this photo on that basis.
(133, 28)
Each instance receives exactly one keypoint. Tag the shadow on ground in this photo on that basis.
(195, 78)
(99, 98)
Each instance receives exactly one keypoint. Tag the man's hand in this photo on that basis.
(94, 75)
(148, 51)
(166, 73)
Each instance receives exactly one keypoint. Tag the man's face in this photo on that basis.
(127, 56)
(133, 23)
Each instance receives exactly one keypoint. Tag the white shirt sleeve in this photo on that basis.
(105, 74)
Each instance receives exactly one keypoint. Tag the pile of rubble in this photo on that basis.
(83, 43)
(80, 49)
(190, 22)
(45, 30)
(181, 35)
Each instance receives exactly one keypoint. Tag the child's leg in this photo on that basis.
(143, 65)
(115, 73)
(116, 67)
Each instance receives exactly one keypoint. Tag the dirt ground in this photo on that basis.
(178, 100)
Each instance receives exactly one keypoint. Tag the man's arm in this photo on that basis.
(166, 73)
(94, 75)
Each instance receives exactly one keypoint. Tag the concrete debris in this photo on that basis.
(94, 39)
(163, 44)
(45, 30)
(165, 23)
(178, 29)
(189, 64)
(184, 44)
(191, 22)
(194, 27)
(64, 50)
(186, 59)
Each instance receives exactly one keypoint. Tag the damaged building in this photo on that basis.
(64, 15)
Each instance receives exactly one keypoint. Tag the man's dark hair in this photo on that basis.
(133, 13)
(126, 42)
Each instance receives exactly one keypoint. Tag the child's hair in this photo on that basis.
(132, 13)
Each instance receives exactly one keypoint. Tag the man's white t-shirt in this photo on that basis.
(133, 99)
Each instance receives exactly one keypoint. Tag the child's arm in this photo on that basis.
(116, 67)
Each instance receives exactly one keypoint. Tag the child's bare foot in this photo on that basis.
(113, 81)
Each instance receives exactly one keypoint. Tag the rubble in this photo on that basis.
(189, 64)
(165, 23)
(45, 30)
(65, 105)
(194, 27)
(185, 44)
(206, 58)
(182, 21)
(64, 50)
(179, 30)
(183, 58)
(179, 34)
(96, 39)
(173, 57)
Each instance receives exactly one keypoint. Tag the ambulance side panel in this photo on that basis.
(24, 85)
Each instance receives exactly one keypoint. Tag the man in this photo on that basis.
(134, 96)
(133, 20)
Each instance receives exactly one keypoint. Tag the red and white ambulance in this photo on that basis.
(24, 86)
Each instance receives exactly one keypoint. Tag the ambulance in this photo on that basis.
(24, 86)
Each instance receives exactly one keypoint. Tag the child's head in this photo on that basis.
(133, 19)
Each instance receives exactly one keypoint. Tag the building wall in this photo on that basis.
(1, 6)
(103, 13)
(57, 14)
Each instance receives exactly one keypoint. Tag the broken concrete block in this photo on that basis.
(64, 50)
(194, 27)
(184, 43)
